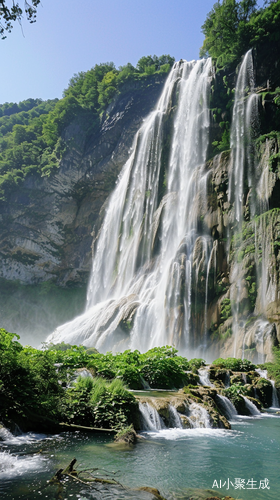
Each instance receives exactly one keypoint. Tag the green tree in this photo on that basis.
(224, 30)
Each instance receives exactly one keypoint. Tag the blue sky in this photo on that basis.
(71, 36)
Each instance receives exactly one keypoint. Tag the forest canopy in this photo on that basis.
(231, 28)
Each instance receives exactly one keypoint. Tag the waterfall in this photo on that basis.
(199, 416)
(144, 255)
(245, 112)
(174, 418)
(227, 407)
(204, 377)
(244, 124)
(150, 419)
(251, 407)
(196, 415)
(275, 399)
(227, 380)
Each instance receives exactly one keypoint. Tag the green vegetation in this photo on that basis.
(160, 367)
(38, 381)
(47, 385)
(44, 381)
(99, 403)
(235, 393)
(235, 364)
(232, 27)
(225, 309)
(33, 137)
(273, 369)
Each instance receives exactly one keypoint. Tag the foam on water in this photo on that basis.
(176, 433)
(26, 438)
(13, 465)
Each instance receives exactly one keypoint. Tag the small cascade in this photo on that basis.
(262, 373)
(5, 434)
(227, 407)
(227, 380)
(145, 384)
(150, 419)
(275, 399)
(199, 416)
(204, 377)
(174, 418)
(251, 407)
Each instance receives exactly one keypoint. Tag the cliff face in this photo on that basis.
(49, 224)
(242, 302)
(46, 224)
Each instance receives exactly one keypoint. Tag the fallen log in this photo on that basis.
(84, 428)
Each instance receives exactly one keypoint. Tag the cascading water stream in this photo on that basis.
(204, 377)
(130, 279)
(174, 418)
(199, 416)
(151, 420)
(251, 407)
(227, 406)
(275, 399)
(245, 117)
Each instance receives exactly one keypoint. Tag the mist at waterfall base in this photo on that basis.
(171, 460)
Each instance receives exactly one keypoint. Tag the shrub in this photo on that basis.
(235, 364)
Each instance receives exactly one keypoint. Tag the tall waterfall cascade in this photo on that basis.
(244, 123)
(139, 295)
(172, 264)
(252, 278)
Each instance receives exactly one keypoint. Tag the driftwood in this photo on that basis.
(84, 428)
(87, 477)
(83, 476)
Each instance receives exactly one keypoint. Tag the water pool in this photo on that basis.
(234, 463)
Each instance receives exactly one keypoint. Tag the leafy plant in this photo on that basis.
(235, 364)
(235, 393)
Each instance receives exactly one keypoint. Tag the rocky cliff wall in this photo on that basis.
(46, 224)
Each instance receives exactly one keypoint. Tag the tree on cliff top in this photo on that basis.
(8, 15)
(232, 27)
(222, 27)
